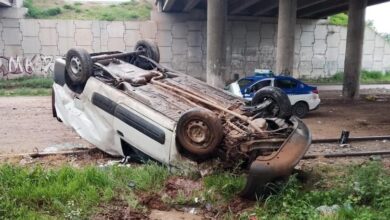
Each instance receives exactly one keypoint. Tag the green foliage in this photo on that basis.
(69, 7)
(36, 192)
(366, 76)
(361, 193)
(37, 12)
(26, 86)
(27, 81)
(148, 177)
(340, 19)
(225, 185)
(67, 192)
(130, 10)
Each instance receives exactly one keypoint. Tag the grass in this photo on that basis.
(340, 19)
(365, 77)
(70, 193)
(59, 9)
(359, 192)
(26, 86)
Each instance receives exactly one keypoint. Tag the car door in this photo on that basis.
(251, 91)
(289, 86)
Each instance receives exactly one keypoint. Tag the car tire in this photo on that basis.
(78, 69)
(151, 49)
(279, 98)
(300, 109)
(199, 131)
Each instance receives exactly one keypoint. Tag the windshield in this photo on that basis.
(243, 83)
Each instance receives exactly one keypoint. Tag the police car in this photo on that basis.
(303, 98)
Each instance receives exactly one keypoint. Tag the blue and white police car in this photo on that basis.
(303, 98)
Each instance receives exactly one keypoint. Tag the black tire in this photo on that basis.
(199, 132)
(300, 109)
(150, 48)
(281, 107)
(78, 69)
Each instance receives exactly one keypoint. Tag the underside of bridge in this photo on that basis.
(287, 11)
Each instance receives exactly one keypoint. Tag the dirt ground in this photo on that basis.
(26, 123)
(368, 116)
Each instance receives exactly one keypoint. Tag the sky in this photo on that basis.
(380, 14)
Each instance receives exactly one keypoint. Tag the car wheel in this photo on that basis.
(280, 103)
(150, 48)
(78, 69)
(300, 109)
(199, 131)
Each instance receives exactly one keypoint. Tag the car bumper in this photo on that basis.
(279, 164)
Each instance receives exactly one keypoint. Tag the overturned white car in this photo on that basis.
(128, 104)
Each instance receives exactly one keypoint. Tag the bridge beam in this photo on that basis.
(168, 5)
(286, 36)
(216, 49)
(354, 49)
(190, 5)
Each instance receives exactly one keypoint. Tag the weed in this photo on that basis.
(359, 191)
(37, 12)
(66, 192)
(365, 77)
(26, 86)
(69, 7)
(340, 19)
(130, 10)
(224, 184)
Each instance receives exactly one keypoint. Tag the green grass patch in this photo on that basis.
(71, 193)
(365, 77)
(359, 192)
(59, 9)
(26, 86)
(340, 19)
(223, 186)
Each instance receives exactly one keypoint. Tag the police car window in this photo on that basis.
(244, 82)
(261, 85)
(285, 84)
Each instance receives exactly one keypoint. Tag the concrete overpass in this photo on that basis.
(287, 12)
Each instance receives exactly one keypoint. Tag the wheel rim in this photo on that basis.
(75, 66)
(198, 133)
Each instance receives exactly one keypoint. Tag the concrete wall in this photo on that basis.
(31, 46)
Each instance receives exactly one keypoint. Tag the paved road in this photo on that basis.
(340, 87)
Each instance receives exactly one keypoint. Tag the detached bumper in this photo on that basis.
(279, 164)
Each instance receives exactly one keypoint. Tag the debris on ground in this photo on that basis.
(328, 210)
(162, 215)
(186, 186)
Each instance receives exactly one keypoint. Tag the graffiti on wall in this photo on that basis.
(36, 65)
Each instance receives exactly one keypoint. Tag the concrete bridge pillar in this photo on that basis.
(354, 49)
(216, 50)
(286, 36)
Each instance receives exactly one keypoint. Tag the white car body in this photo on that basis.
(312, 99)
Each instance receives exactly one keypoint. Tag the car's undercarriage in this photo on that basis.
(259, 137)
